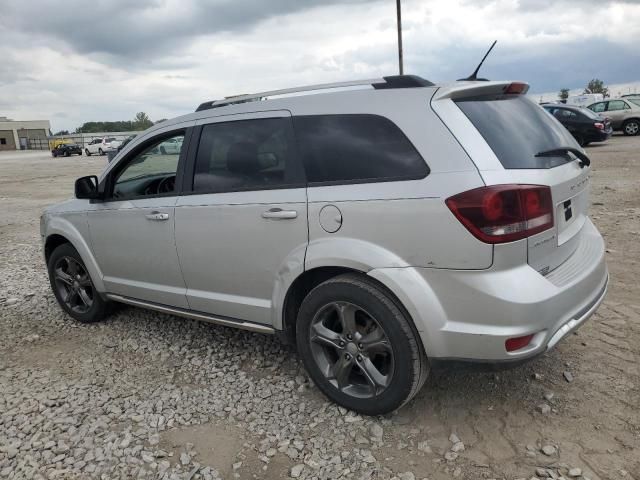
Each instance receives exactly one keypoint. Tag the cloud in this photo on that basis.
(143, 28)
(107, 60)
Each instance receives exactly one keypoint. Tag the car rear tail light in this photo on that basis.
(516, 88)
(504, 213)
(599, 126)
(516, 343)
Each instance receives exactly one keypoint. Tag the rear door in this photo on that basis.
(242, 229)
(504, 135)
(616, 111)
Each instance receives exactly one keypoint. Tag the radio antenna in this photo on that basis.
(474, 76)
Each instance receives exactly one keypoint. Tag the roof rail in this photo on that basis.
(395, 81)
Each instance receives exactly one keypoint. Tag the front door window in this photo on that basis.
(151, 171)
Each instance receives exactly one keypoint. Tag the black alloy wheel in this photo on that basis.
(73, 287)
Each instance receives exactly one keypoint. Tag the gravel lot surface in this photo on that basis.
(145, 395)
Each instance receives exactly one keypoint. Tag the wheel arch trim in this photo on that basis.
(66, 229)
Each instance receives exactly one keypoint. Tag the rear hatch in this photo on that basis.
(518, 132)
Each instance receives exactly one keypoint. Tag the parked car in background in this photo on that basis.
(623, 112)
(584, 99)
(100, 146)
(66, 150)
(384, 230)
(585, 125)
(171, 146)
(125, 142)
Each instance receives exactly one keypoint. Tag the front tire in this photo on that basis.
(631, 127)
(73, 287)
(100, 151)
(87, 152)
(359, 347)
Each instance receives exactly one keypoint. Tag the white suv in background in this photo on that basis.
(383, 229)
(100, 146)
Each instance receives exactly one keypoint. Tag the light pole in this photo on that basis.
(399, 12)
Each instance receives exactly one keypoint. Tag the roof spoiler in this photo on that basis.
(476, 89)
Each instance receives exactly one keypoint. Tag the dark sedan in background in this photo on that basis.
(585, 125)
(66, 150)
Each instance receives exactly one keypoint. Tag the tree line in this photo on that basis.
(140, 122)
(594, 86)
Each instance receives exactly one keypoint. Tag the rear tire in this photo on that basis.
(631, 127)
(359, 347)
(73, 287)
(580, 140)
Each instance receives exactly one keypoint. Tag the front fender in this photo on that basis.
(75, 228)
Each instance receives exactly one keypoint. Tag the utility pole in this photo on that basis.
(400, 61)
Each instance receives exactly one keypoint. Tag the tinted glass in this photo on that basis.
(356, 148)
(590, 114)
(635, 101)
(245, 155)
(517, 129)
(149, 172)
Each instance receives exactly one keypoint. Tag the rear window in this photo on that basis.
(356, 149)
(517, 129)
(590, 114)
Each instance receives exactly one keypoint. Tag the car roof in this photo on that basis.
(564, 106)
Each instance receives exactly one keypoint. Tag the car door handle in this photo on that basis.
(279, 214)
(157, 216)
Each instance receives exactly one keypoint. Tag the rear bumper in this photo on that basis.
(599, 136)
(468, 315)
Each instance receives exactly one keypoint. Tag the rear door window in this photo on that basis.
(616, 105)
(517, 129)
(598, 107)
(241, 155)
(356, 149)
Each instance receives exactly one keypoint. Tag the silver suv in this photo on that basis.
(382, 226)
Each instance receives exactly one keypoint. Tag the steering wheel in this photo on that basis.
(167, 185)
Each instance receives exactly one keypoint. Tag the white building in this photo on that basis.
(23, 135)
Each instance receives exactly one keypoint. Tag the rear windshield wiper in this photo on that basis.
(554, 152)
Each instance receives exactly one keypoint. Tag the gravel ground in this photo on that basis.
(145, 395)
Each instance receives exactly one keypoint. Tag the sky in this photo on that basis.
(72, 61)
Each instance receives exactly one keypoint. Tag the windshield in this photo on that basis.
(635, 101)
(517, 129)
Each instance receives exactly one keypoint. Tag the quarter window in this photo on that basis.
(356, 148)
(151, 171)
(253, 154)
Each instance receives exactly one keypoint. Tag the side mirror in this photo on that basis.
(87, 187)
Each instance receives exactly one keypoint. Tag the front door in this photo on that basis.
(132, 231)
(243, 228)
